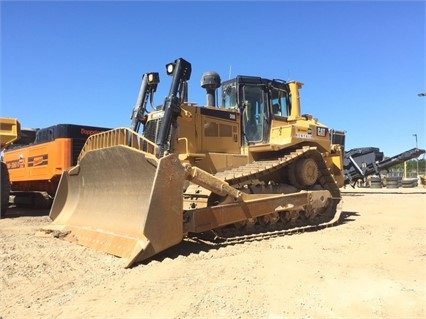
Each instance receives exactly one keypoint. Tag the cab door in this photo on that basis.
(253, 115)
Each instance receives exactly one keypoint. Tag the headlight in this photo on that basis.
(153, 78)
(169, 68)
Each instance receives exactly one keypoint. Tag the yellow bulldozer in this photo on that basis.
(249, 164)
(10, 130)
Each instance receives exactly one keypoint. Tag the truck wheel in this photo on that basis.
(5, 189)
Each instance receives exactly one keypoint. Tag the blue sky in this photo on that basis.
(362, 62)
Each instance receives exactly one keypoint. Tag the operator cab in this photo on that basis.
(259, 101)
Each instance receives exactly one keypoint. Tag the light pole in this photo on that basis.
(417, 159)
(420, 94)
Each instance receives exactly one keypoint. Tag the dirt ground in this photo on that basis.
(371, 265)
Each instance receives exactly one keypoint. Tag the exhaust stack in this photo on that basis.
(210, 81)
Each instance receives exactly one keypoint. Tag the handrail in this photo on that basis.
(118, 136)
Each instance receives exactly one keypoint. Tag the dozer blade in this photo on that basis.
(121, 201)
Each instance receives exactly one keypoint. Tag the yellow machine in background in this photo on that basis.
(251, 163)
(10, 129)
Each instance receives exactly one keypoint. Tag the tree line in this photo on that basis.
(411, 166)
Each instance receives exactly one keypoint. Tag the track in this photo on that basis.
(266, 173)
(221, 238)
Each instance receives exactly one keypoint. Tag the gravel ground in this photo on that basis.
(371, 265)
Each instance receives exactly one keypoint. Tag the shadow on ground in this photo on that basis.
(14, 212)
(347, 217)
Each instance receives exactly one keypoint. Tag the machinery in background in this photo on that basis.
(360, 163)
(10, 131)
(37, 159)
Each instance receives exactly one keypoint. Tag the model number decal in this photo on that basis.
(302, 132)
(15, 164)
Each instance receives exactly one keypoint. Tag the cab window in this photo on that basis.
(280, 103)
(229, 96)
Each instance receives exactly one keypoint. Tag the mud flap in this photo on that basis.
(121, 201)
